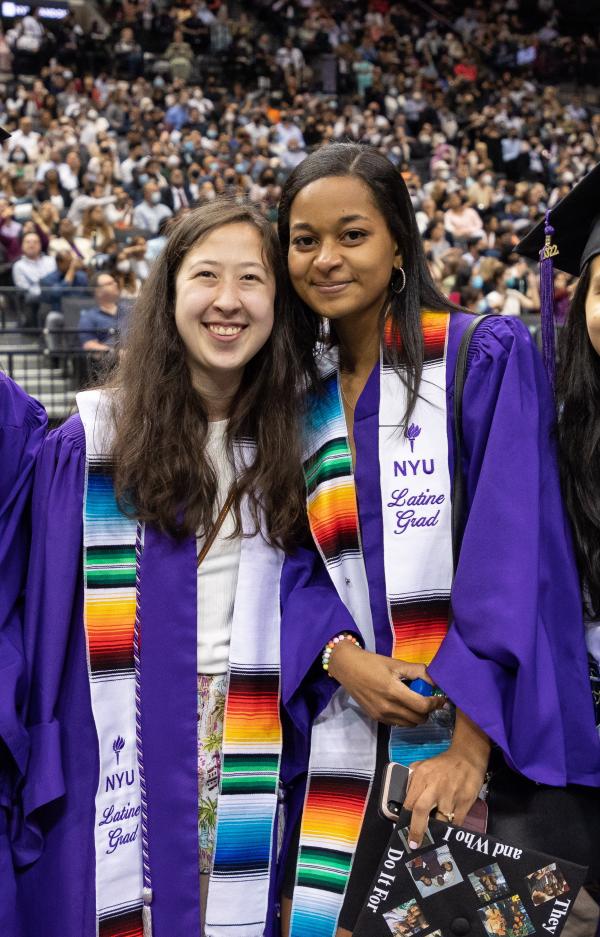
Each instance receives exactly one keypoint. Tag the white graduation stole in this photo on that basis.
(415, 493)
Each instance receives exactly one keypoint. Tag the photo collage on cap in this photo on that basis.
(458, 882)
(431, 872)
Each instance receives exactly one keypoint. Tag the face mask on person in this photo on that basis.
(124, 266)
(189, 146)
(241, 166)
(477, 281)
(444, 174)
(19, 157)
(155, 198)
(212, 134)
(143, 178)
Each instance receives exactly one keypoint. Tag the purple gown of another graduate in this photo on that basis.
(56, 840)
(22, 428)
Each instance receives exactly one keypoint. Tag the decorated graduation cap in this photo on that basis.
(460, 883)
(568, 238)
(4, 134)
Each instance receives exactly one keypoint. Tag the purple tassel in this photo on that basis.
(548, 251)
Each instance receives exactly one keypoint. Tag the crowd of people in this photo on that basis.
(116, 129)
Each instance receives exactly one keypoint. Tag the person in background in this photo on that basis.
(29, 271)
(69, 279)
(95, 228)
(70, 242)
(461, 220)
(102, 325)
(128, 282)
(149, 213)
(156, 244)
(134, 254)
(10, 231)
(177, 194)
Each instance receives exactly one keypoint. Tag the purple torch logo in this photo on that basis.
(118, 746)
(412, 433)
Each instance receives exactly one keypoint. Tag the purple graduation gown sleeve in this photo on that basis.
(22, 428)
(312, 614)
(55, 839)
(517, 630)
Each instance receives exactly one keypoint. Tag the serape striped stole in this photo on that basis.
(252, 738)
(415, 493)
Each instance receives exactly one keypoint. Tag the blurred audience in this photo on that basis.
(160, 106)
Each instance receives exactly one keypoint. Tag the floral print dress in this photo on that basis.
(212, 694)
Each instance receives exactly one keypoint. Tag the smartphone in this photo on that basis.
(393, 790)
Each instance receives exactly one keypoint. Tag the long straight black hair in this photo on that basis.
(578, 398)
(392, 199)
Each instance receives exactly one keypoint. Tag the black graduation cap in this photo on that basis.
(4, 134)
(460, 883)
(576, 227)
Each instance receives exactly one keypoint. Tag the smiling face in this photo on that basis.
(592, 304)
(342, 253)
(224, 307)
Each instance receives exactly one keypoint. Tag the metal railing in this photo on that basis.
(52, 378)
(41, 345)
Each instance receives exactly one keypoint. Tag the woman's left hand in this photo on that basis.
(449, 782)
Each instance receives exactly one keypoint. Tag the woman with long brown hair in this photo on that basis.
(96, 228)
(168, 522)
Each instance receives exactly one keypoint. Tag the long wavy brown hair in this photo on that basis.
(162, 473)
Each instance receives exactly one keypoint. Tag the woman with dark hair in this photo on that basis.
(379, 460)
(578, 393)
(51, 190)
(166, 556)
(571, 235)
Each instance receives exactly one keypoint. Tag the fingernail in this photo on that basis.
(413, 845)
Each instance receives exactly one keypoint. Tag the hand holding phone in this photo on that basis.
(393, 792)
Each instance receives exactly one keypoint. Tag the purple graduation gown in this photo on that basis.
(56, 884)
(514, 658)
(22, 429)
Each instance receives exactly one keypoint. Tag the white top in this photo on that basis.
(27, 273)
(218, 572)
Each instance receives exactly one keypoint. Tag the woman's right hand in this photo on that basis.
(375, 682)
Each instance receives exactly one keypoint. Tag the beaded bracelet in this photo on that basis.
(328, 650)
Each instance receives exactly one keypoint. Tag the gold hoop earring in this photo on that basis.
(395, 285)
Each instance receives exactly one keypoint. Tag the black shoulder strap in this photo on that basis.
(459, 496)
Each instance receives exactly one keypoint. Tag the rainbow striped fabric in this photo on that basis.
(121, 923)
(250, 774)
(252, 736)
(418, 603)
(109, 616)
(109, 578)
(332, 504)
